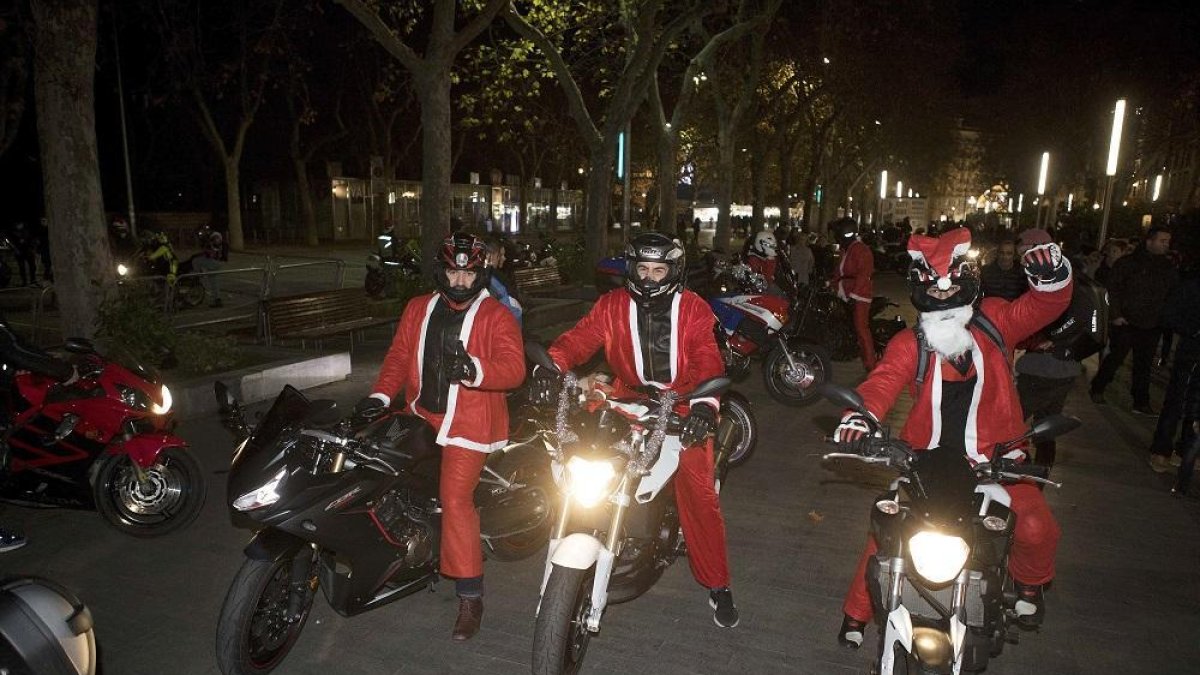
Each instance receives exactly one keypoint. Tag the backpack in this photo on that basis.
(978, 320)
(1082, 330)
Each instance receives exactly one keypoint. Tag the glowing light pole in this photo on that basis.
(1114, 148)
(1157, 187)
(882, 193)
(1041, 186)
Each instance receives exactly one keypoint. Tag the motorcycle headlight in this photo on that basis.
(589, 481)
(122, 269)
(166, 403)
(938, 557)
(265, 495)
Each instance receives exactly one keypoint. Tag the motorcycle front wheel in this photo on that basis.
(263, 614)
(797, 386)
(162, 498)
(561, 637)
(745, 431)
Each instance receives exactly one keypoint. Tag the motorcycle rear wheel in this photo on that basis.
(254, 632)
(747, 431)
(561, 637)
(797, 387)
(532, 469)
(169, 499)
(190, 293)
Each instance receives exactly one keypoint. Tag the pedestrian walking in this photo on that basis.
(1180, 315)
(1137, 289)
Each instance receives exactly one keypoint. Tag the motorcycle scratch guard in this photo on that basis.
(144, 449)
(664, 467)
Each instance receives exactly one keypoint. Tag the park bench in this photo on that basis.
(531, 280)
(315, 317)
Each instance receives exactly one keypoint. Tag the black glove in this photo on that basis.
(699, 423)
(1046, 267)
(459, 366)
(369, 408)
(543, 386)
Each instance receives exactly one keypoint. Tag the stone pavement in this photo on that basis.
(1127, 596)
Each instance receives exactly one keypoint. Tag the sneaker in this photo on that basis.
(850, 635)
(1097, 397)
(11, 541)
(1144, 410)
(1160, 464)
(1031, 605)
(725, 613)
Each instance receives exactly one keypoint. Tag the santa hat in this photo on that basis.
(939, 254)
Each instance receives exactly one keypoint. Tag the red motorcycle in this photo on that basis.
(102, 442)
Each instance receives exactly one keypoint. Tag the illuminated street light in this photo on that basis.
(910, 193)
(1070, 201)
(1041, 186)
(1020, 202)
(1114, 148)
(899, 189)
(1157, 187)
(883, 184)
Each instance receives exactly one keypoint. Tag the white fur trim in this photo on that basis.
(387, 400)
(972, 428)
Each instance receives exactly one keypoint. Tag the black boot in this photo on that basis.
(1031, 605)
(850, 635)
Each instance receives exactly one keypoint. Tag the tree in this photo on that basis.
(621, 56)
(64, 33)
(431, 77)
(14, 75)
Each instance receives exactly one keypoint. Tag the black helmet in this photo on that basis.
(654, 247)
(461, 251)
(943, 274)
(844, 231)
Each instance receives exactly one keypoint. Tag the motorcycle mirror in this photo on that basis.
(226, 403)
(77, 345)
(1054, 426)
(711, 387)
(843, 396)
(540, 356)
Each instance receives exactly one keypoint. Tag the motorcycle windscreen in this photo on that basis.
(265, 451)
(943, 483)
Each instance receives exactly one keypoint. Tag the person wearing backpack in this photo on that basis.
(1047, 371)
(957, 366)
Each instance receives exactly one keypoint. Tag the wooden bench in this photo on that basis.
(530, 280)
(319, 316)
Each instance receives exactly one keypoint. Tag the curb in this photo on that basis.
(194, 397)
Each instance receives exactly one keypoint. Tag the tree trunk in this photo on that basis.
(433, 88)
(233, 203)
(758, 176)
(64, 68)
(724, 191)
(785, 185)
(667, 181)
(308, 213)
(599, 199)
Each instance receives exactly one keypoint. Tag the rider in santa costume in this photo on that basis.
(966, 397)
(657, 335)
(455, 355)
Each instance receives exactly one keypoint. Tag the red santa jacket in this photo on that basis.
(476, 414)
(994, 415)
(852, 278)
(612, 324)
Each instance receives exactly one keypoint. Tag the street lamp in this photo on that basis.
(1114, 147)
(899, 189)
(1041, 186)
(1157, 187)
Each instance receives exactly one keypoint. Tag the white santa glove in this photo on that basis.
(854, 427)
(1046, 267)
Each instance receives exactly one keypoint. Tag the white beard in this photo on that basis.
(946, 330)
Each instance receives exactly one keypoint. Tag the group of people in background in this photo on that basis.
(28, 245)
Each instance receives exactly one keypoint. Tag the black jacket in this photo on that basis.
(1138, 286)
(1008, 284)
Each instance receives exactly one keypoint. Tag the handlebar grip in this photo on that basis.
(1023, 469)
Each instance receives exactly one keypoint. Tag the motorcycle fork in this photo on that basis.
(304, 583)
(608, 554)
(787, 353)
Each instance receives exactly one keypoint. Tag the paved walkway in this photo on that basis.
(1127, 598)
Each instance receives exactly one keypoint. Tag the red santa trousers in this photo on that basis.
(862, 328)
(462, 553)
(700, 516)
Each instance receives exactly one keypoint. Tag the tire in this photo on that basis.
(170, 498)
(190, 293)
(747, 436)
(533, 469)
(797, 388)
(560, 638)
(250, 638)
(375, 283)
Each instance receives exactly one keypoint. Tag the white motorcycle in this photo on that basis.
(618, 526)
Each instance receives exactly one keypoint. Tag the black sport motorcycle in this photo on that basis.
(350, 506)
(940, 582)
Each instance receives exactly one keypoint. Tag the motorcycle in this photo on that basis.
(751, 321)
(940, 578)
(618, 526)
(350, 506)
(827, 320)
(389, 264)
(188, 291)
(103, 442)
